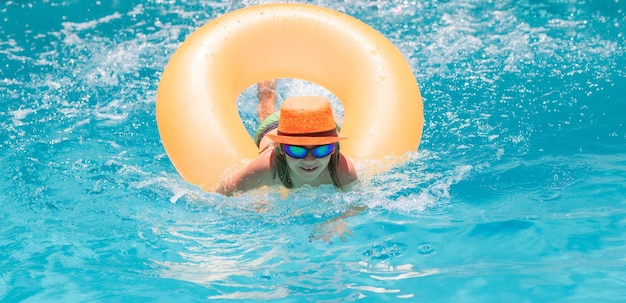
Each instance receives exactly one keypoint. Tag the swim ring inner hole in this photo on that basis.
(285, 88)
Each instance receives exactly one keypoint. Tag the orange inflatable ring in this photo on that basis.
(196, 106)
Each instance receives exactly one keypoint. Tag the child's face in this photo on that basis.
(309, 167)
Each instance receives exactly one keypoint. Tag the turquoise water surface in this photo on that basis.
(516, 194)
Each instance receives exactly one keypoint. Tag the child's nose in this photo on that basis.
(309, 156)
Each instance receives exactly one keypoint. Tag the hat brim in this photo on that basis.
(297, 140)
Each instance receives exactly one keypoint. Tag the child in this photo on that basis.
(297, 146)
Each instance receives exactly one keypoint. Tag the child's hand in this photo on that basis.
(326, 230)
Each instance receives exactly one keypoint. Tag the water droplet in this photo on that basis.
(426, 249)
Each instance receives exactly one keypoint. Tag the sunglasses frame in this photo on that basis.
(312, 151)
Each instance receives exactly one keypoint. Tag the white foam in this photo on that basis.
(19, 115)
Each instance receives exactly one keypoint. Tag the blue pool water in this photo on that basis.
(517, 192)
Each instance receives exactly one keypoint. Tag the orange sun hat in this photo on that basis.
(306, 120)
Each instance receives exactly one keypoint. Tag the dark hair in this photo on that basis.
(280, 168)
